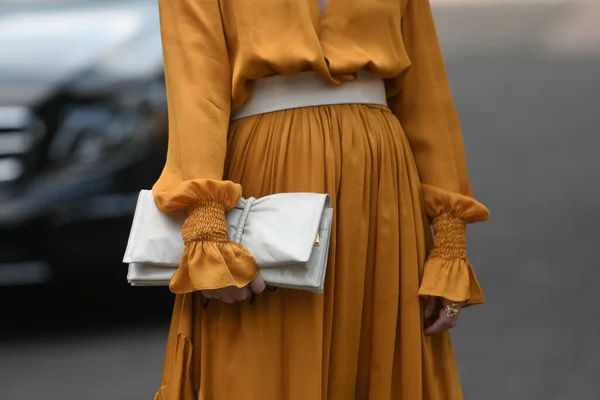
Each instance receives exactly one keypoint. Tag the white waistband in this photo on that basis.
(306, 89)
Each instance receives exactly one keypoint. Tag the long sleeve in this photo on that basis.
(426, 110)
(198, 80)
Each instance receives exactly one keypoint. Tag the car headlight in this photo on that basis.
(95, 123)
(20, 133)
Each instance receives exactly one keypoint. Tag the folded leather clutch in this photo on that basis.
(288, 234)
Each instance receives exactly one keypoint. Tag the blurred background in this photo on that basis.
(83, 128)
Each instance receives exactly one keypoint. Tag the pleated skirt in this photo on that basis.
(363, 338)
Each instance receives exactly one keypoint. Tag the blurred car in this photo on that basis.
(83, 128)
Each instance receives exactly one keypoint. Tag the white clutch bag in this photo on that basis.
(288, 235)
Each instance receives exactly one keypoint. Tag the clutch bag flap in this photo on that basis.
(277, 230)
(305, 276)
(280, 229)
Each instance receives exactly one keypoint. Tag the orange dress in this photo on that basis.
(391, 171)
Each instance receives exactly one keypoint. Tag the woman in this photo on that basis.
(380, 331)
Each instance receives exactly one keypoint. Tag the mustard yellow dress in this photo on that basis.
(391, 171)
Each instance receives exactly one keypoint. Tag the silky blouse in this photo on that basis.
(213, 52)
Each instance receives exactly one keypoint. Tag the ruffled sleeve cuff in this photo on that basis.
(209, 260)
(447, 272)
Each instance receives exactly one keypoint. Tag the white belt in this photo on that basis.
(308, 89)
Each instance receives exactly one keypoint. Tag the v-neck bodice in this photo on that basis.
(334, 38)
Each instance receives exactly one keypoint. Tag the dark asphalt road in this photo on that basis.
(530, 118)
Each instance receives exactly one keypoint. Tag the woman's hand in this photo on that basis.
(440, 315)
(232, 294)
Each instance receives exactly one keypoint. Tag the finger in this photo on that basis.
(446, 302)
(227, 295)
(442, 324)
(258, 285)
(242, 294)
(438, 327)
(430, 306)
(207, 294)
(228, 299)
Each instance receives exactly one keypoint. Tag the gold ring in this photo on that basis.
(452, 310)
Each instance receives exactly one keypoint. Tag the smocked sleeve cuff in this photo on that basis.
(447, 272)
(209, 260)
